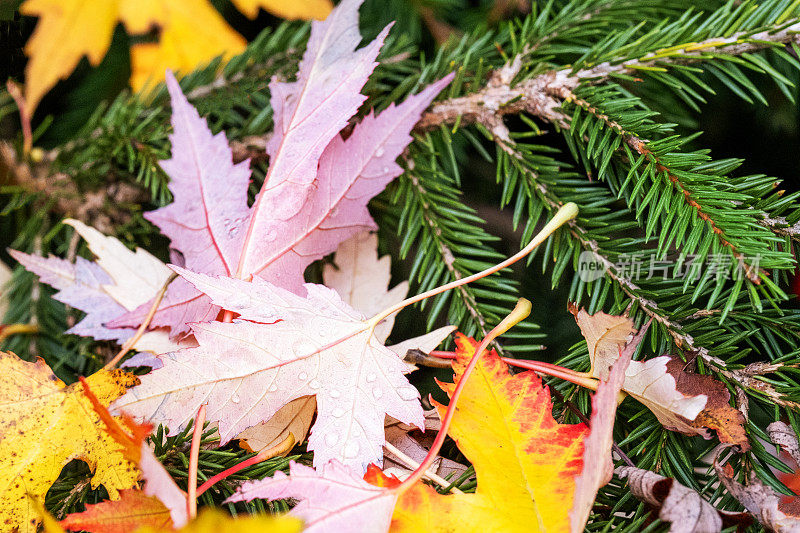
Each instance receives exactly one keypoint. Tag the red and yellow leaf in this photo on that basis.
(524, 460)
(133, 510)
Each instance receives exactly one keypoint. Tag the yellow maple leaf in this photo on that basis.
(67, 30)
(215, 521)
(45, 424)
(524, 460)
(296, 9)
(192, 33)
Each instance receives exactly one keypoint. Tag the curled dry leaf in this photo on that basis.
(690, 403)
(683, 508)
(362, 279)
(767, 507)
(45, 424)
(781, 434)
(415, 444)
(295, 417)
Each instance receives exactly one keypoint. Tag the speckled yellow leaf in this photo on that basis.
(292, 9)
(214, 521)
(45, 424)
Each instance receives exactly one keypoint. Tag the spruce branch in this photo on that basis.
(782, 227)
(99, 208)
(500, 97)
(449, 260)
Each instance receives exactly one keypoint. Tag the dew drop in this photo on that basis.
(351, 450)
(337, 412)
(377, 393)
(271, 235)
(379, 152)
(273, 387)
(303, 347)
(386, 170)
(335, 393)
(302, 376)
(407, 393)
(235, 398)
(371, 378)
(314, 384)
(331, 439)
(233, 231)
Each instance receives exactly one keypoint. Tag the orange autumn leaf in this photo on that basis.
(134, 509)
(524, 460)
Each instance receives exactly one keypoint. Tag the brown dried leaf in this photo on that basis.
(689, 403)
(415, 444)
(717, 414)
(605, 336)
(683, 508)
(767, 507)
(783, 435)
(295, 418)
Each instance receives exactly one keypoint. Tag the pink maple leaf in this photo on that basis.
(316, 190)
(335, 498)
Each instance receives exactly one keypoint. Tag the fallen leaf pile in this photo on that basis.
(268, 358)
(524, 460)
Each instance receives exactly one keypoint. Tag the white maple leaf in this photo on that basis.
(283, 347)
(119, 280)
(362, 279)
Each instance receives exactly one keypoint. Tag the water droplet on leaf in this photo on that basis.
(407, 393)
(351, 450)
